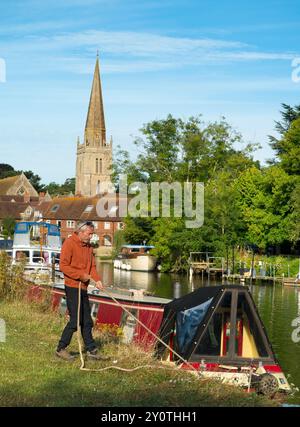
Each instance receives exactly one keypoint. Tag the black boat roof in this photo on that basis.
(200, 318)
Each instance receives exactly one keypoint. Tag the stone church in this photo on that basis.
(94, 155)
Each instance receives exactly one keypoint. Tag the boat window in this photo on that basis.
(20, 255)
(187, 323)
(214, 342)
(135, 250)
(37, 256)
(56, 256)
(21, 228)
(249, 339)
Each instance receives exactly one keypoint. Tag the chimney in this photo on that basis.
(26, 197)
(41, 196)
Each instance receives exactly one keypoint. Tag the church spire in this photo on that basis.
(95, 133)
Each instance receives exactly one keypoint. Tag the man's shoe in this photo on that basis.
(95, 355)
(65, 355)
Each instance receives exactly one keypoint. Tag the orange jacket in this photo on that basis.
(77, 258)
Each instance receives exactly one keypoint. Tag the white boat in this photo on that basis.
(136, 257)
(39, 243)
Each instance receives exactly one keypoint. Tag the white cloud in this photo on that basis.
(131, 51)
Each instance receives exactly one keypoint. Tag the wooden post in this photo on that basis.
(233, 259)
(252, 267)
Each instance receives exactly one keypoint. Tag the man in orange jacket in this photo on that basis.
(77, 262)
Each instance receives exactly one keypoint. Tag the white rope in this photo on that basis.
(82, 367)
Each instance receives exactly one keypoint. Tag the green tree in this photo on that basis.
(288, 149)
(6, 170)
(35, 180)
(265, 205)
(56, 189)
(8, 227)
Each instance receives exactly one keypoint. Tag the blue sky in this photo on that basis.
(184, 57)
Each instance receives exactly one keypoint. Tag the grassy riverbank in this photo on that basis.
(31, 375)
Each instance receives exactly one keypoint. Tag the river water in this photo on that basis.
(278, 306)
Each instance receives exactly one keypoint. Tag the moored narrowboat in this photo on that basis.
(218, 332)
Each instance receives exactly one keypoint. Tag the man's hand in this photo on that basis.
(85, 277)
(99, 285)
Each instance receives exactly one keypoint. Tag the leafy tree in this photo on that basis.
(288, 149)
(8, 227)
(280, 146)
(137, 230)
(35, 180)
(56, 189)
(265, 205)
(295, 214)
(5, 170)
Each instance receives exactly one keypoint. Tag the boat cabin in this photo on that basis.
(132, 251)
(37, 242)
(219, 329)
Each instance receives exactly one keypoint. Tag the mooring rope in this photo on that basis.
(82, 366)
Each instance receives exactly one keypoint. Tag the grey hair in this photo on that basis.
(82, 225)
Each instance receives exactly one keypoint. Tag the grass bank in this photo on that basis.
(31, 375)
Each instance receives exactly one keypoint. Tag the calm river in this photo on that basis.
(278, 305)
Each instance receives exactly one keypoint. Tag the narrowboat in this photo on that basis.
(218, 332)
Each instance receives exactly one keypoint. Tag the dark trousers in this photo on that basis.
(86, 321)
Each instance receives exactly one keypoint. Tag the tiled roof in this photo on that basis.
(8, 209)
(18, 198)
(6, 183)
(74, 208)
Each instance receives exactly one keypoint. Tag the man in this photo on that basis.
(77, 262)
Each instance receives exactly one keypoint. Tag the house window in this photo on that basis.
(96, 165)
(95, 225)
(48, 221)
(70, 224)
(100, 165)
(21, 191)
(107, 226)
(120, 226)
(58, 223)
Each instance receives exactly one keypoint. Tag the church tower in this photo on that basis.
(94, 155)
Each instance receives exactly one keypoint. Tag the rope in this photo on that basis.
(78, 328)
(82, 367)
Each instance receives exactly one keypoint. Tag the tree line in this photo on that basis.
(246, 204)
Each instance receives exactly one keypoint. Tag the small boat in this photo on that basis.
(218, 332)
(39, 244)
(136, 257)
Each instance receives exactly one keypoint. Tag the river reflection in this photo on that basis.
(278, 306)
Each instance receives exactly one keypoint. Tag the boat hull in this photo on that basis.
(140, 263)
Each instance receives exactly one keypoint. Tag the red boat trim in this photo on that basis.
(273, 368)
